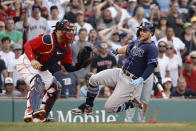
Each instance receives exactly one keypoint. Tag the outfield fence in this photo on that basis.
(180, 110)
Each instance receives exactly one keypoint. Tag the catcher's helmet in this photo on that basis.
(64, 24)
(146, 26)
(66, 27)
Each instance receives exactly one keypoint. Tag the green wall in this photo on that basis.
(162, 110)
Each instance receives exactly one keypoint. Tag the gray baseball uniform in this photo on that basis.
(144, 95)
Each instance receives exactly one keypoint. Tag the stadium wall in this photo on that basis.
(12, 110)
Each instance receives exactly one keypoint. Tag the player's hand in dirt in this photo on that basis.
(36, 65)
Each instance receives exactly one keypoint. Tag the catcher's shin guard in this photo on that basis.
(51, 96)
(37, 91)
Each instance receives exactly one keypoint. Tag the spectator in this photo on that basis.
(179, 46)
(81, 23)
(44, 12)
(163, 60)
(146, 4)
(136, 20)
(6, 54)
(160, 31)
(189, 74)
(175, 64)
(125, 36)
(3, 71)
(18, 52)
(35, 24)
(9, 89)
(182, 91)
(191, 13)
(76, 46)
(184, 7)
(193, 22)
(189, 39)
(21, 87)
(131, 4)
(61, 4)
(70, 83)
(155, 15)
(19, 24)
(193, 56)
(89, 11)
(111, 35)
(124, 13)
(2, 27)
(75, 7)
(168, 87)
(13, 9)
(105, 17)
(54, 12)
(164, 6)
(175, 19)
(14, 35)
(104, 60)
(93, 39)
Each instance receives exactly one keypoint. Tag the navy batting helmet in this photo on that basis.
(145, 26)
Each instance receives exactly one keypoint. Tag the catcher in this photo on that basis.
(39, 56)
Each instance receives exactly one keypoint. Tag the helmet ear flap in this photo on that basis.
(138, 32)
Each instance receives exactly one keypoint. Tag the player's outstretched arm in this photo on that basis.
(120, 50)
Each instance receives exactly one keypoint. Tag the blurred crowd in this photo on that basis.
(105, 25)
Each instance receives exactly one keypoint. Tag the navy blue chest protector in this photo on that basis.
(57, 55)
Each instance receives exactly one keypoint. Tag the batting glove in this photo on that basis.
(115, 52)
(137, 82)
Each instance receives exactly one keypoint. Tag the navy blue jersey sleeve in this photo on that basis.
(152, 55)
(129, 47)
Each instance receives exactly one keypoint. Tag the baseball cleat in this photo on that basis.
(77, 111)
(86, 110)
(28, 118)
(137, 103)
(37, 120)
(39, 113)
(50, 120)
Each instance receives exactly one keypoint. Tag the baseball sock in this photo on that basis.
(125, 106)
(91, 94)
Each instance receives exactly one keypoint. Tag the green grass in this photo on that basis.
(97, 127)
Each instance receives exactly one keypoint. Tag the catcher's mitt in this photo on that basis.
(85, 56)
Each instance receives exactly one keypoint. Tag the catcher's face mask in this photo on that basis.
(69, 32)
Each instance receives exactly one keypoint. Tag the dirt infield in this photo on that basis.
(148, 124)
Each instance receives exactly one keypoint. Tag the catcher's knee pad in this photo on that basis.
(37, 91)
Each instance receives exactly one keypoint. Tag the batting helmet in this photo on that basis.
(145, 26)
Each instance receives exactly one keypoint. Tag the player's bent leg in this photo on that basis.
(107, 77)
(37, 92)
(86, 108)
(33, 98)
(28, 112)
(50, 98)
(126, 105)
(145, 98)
